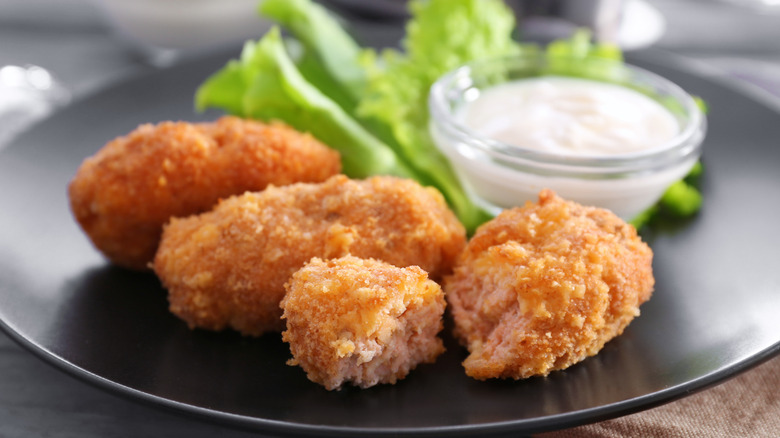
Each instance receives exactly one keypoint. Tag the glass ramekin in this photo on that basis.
(498, 175)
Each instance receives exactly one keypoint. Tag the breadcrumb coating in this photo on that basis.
(361, 321)
(227, 267)
(124, 194)
(544, 286)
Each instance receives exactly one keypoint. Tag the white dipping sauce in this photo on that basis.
(570, 116)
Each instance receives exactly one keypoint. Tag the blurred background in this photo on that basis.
(87, 44)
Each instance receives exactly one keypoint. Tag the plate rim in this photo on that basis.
(527, 425)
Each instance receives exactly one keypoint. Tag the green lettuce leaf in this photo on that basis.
(329, 50)
(265, 84)
(577, 56)
(442, 35)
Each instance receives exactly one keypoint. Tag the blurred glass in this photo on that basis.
(27, 94)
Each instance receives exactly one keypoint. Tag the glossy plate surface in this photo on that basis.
(713, 314)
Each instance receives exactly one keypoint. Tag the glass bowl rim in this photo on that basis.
(684, 144)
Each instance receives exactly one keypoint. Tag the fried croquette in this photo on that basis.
(541, 287)
(124, 194)
(361, 321)
(227, 267)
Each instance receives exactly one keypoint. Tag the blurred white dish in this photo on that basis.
(185, 24)
(27, 94)
(642, 25)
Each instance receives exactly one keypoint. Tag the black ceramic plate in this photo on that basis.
(713, 314)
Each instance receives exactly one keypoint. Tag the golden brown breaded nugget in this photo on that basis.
(124, 194)
(227, 267)
(361, 321)
(542, 287)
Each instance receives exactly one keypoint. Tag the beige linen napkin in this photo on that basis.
(745, 406)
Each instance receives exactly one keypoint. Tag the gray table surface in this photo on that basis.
(72, 40)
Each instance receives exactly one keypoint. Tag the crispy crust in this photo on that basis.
(227, 267)
(361, 321)
(544, 286)
(124, 194)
